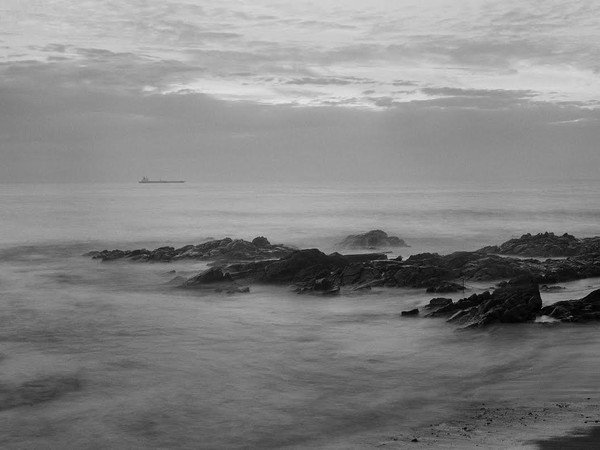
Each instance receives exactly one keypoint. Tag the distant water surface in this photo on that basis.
(441, 218)
(97, 355)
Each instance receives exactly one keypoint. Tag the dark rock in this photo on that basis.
(285, 269)
(412, 312)
(261, 241)
(216, 250)
(351, 274)
(582, 310)
(515, 301)
(324, 284)
(439, 302)
(372, 239)
(212, 275)
(511, 303)
(546, 245)
(365, 257)
(446, 287)
(269, 263)
(420, 275)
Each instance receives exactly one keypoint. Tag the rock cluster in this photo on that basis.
(582, 310)
(371, 240)
(214, 279)
(546, 245)
(513, 302)
(313, 271)
(215, 250)
(430, 271)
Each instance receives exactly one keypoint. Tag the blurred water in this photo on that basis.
(99, 355)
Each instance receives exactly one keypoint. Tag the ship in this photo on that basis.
(147, 180)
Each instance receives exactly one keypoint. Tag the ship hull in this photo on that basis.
(161, 182)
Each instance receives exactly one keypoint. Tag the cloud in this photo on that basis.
(323, 81)
(56, 130)
(514, 45)
(236, 90)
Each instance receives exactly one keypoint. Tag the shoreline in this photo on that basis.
(497, 425)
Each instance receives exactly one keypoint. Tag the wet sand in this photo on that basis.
(574, 425)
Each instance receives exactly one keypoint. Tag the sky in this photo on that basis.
(315, 91)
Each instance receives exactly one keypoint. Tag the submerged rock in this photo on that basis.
(372, 239)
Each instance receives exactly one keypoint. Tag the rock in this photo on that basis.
(216, 250)
(285, 269)
(213, 280)
(512, 303)
(351, 274)
(260, 261)
(515, 301)
(324, 284)
(212, 275)
(582, 310)
(412, 312)
(261, 241)
(439, 302)
(372, 239)
(546, 245)
(420, 275)
(446, 287)
(365, 257)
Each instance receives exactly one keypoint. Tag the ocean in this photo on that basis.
(110, 355)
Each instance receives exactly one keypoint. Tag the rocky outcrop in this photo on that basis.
(215, 250)
(313, 271)
(212, 275)
(308, 270)
(583, 310)
(371, 240)
(514, 302)
(546, 245)
(212, 279)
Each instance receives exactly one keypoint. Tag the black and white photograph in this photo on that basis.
(290, 225)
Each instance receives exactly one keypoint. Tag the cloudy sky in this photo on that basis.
(275, 90)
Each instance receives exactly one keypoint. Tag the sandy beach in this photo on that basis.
(544, 426)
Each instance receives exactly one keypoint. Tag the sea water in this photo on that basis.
(110, 355)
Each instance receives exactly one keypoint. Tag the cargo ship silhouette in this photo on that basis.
(147, 180)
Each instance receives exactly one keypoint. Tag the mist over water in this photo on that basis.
(97, 355)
